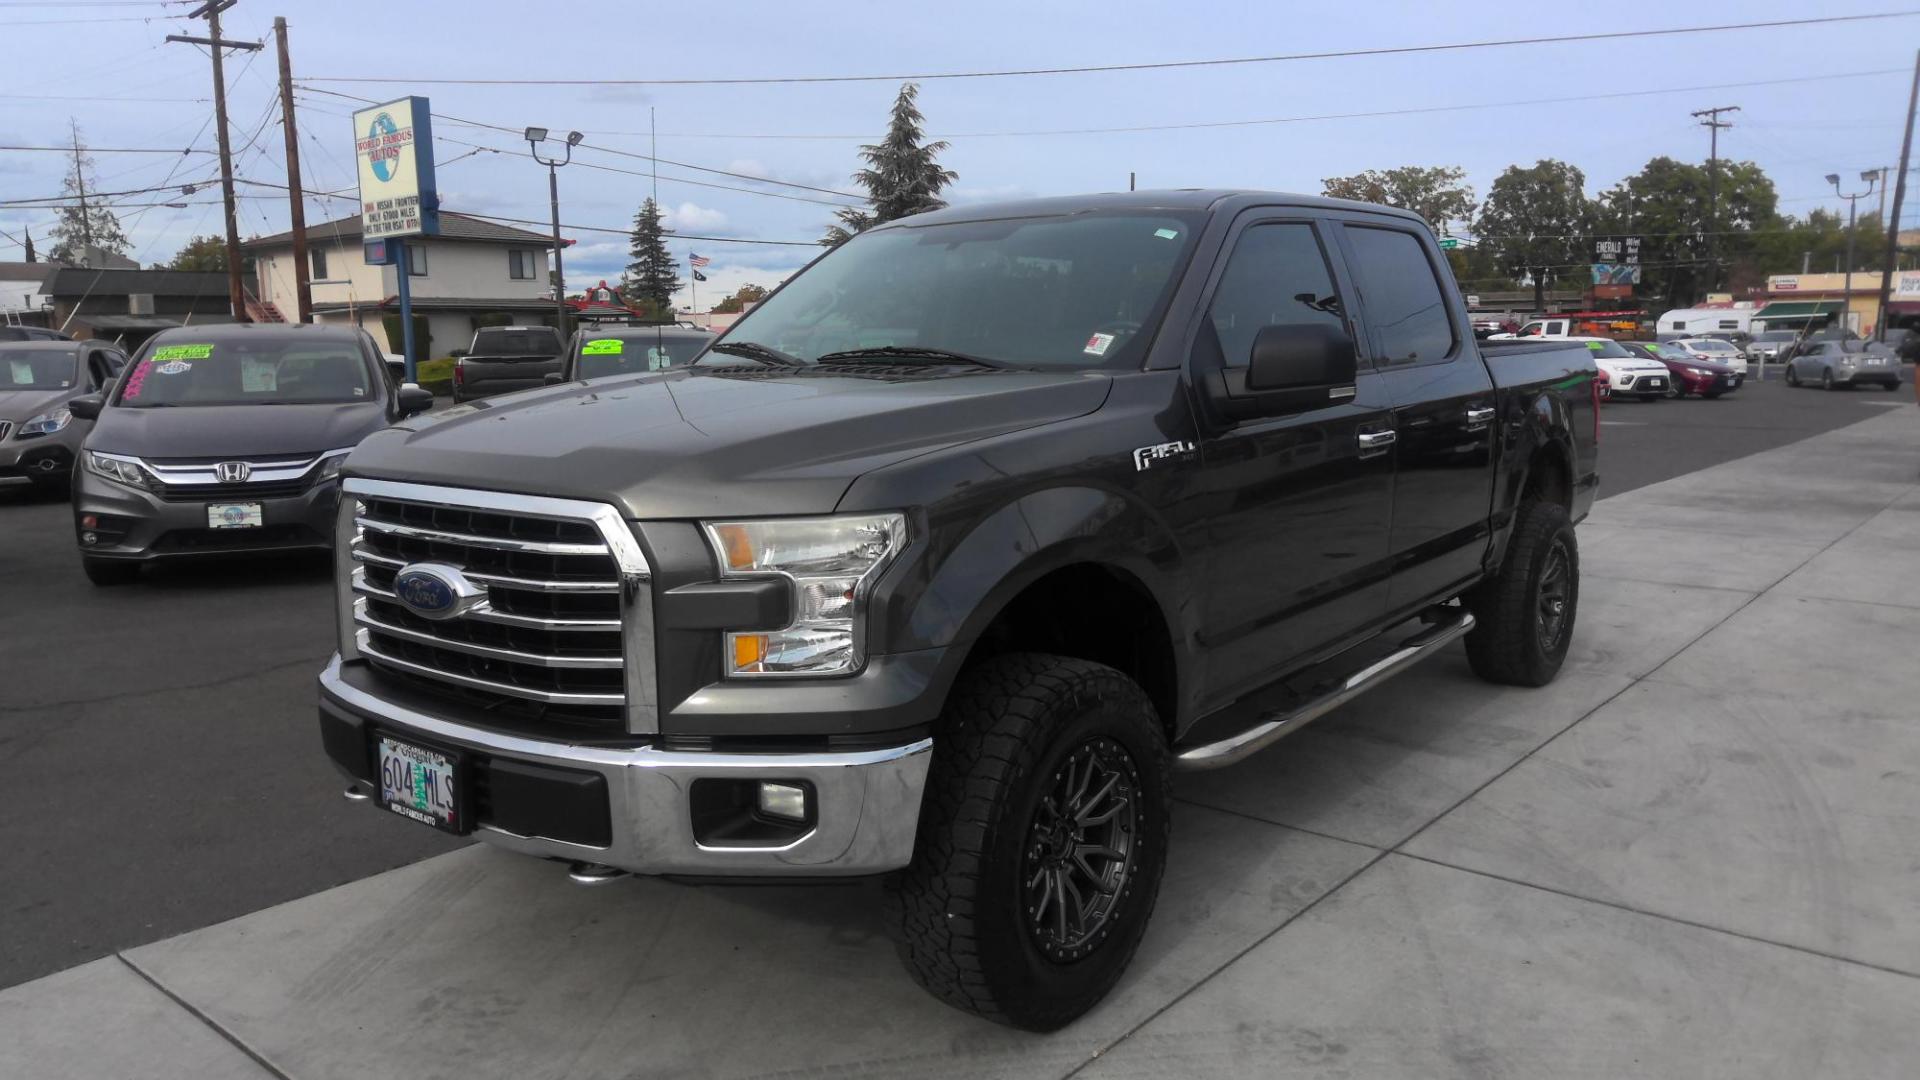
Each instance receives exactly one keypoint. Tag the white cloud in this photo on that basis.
(693, 218)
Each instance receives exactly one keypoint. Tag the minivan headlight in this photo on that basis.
(45, 424)
(830, 564)
(330, 464)
(123, 470)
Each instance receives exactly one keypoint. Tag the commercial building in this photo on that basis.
(1793, 300)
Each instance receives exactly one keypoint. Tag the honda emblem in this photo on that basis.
(232, 472)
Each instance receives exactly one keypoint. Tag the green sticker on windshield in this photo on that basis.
(603, 347)
(166, 353)
(1596, 346)
(1166, 234)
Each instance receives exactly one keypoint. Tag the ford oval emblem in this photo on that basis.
(436, 590)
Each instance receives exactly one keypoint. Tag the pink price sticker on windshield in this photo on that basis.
(1098, 344)
(136, 379)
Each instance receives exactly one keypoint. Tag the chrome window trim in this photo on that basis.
(635, 586)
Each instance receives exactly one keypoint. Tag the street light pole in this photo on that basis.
(1871, 176)
(536, 136)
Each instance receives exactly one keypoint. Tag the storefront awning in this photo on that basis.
(1798, 309)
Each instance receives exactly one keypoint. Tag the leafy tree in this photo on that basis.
(75, 229)
(1537, 222)
(1437, 194)
(747, 294)
(1683, 252)
(902, 177)
(201, 253)
(652, 275)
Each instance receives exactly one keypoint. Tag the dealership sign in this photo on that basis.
(393, 151)
(1907, 285)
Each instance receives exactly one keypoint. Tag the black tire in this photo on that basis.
(1512, 641)
(109, 572)
(1016, 728)
(1826, 379)
(1793, 379)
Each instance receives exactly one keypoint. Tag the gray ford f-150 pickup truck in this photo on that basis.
(943, 559)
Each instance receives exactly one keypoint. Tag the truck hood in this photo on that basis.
(236, 431)
(20, 406)
(733, 443)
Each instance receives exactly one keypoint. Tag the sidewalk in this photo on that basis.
(1693, 855)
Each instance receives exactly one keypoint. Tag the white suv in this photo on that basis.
(1627, 375)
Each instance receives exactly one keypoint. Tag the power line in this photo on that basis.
(108, 149)
(647, 175)
(1557, 39)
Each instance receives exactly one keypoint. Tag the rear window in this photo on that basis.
(626, 352)
(257, 371)
(37, 369)
(532, 341)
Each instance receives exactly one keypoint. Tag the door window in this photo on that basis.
(1405, 303)
(1277, 276)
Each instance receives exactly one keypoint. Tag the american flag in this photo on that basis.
(697, 261)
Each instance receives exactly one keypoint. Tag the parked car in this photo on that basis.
(39, 435)
(1626, 374)
(597, 352)
(1836, 365)
(223, 439)
(1768, 346)
(506, 358)
(32, 333)
(1710, 351)
(935, 568)
(1689, 376)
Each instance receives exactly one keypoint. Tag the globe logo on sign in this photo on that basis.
(383, 165)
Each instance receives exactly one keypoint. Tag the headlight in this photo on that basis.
(830, 563)
(123, 470)
(1698, 371)
(44, 424)
(330, 464)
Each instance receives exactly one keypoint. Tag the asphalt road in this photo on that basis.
(159, 765)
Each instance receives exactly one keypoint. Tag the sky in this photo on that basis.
(1813, 100)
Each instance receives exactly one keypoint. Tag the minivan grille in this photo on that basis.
(547, 644)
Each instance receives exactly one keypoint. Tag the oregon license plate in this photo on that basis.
(421, 784)
(234, 516)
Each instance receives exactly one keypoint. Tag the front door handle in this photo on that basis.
(1480, 415)
(1375, 443)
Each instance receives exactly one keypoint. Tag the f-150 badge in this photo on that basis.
(1145, 456)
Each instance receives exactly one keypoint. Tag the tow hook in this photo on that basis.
(584, 873)
(356, 793)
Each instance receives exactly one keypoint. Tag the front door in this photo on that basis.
(1299, 505)
(1443, 413)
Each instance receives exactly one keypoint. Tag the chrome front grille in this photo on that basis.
(564, 632)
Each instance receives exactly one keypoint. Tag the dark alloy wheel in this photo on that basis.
(1554, 597)
(1080, 848)
(1524, 614)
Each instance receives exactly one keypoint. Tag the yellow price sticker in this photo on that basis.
(166, 353)
(603, 347)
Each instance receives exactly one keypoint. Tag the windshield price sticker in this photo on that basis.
(166, 353)
(1167, 234)
(174, 367)
(1098, 344)
(603, 347)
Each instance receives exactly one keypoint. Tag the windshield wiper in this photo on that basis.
(753, 350)
(907, 352)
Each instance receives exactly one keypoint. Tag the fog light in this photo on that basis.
(89, 538)
(783, 801)
(89, 521)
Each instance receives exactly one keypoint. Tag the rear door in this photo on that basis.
(1299, 505)
(1443, 408)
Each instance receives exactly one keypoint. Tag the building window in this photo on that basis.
(520, 265)
(317, 259)
(416, 261)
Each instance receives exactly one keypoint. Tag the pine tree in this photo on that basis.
(84, 223)
(652, 276)
(902, 177)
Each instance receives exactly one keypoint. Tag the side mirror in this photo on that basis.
(555, 378)
(397, 369)
(87, 407)
(1291, 368)
(413, 400)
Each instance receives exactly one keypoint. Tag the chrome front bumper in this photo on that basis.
(868, 801)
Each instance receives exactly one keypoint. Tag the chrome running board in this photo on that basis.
(1218, 755)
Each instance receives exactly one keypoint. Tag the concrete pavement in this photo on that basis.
(1693, 855)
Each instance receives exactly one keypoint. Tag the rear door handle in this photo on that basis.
(1480, 415)
(1375, 443)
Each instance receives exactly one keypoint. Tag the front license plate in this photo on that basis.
(1657, 384)
(234, 516)
(421, 784)
(1875, 361)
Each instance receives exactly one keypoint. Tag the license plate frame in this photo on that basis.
(237, 515)
(447, 810)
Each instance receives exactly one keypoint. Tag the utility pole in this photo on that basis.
(210, 10)
(1714, 124)
(1899, 200)
(296, 202)
(80, 186)
(1853, 201)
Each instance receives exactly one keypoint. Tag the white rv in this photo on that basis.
(1703, 322)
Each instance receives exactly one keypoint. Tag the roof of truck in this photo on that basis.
(1179, 199)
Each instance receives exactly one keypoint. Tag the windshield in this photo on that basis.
(1054, 292)
(1776, 335)
(537, 342)
(262, 370)
(1612, 350)
(1709, 345)
(624, 352)
(37, 369)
